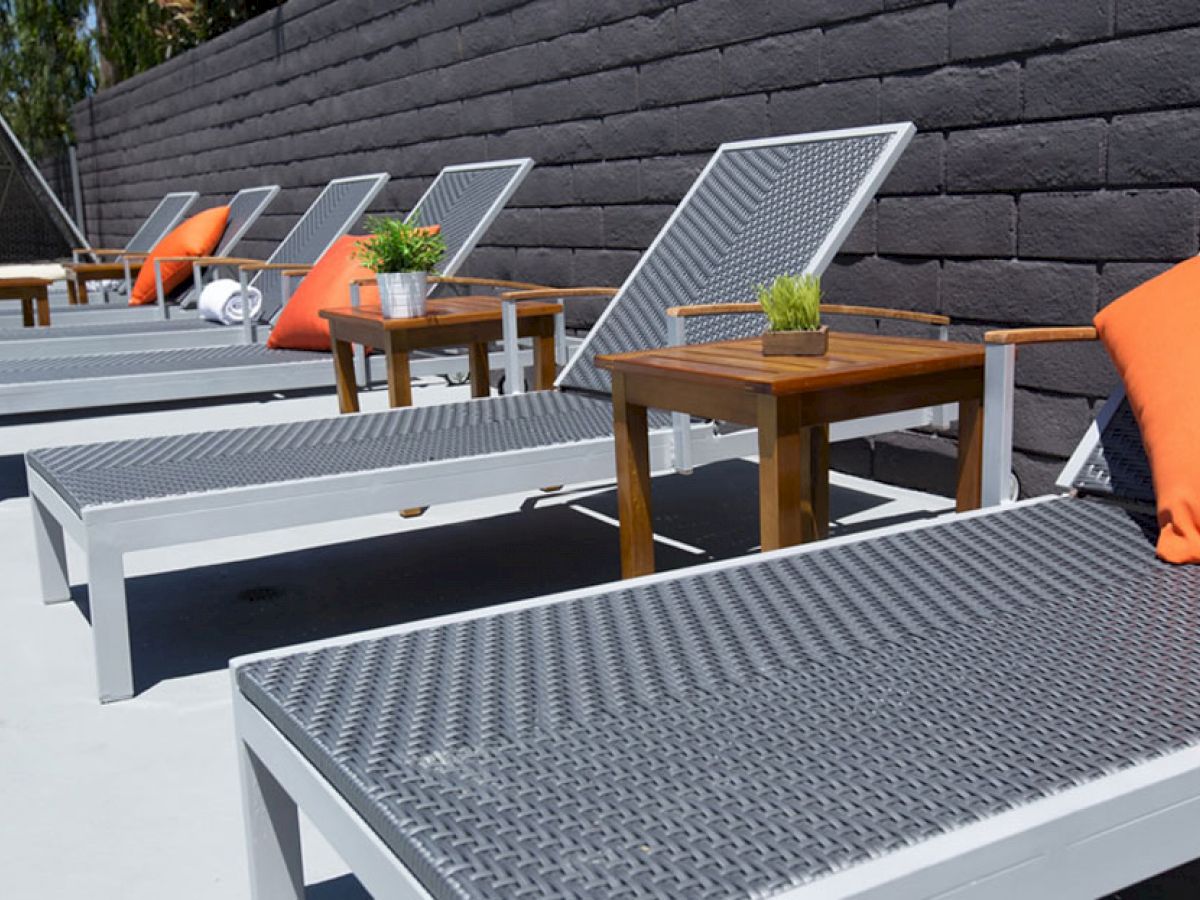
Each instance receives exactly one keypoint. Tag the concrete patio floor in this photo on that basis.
(140, 799)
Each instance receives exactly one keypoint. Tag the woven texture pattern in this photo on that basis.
(150, 362)
(462, 203)
(30, 226)
(95, 474)
(245, 206)
(102, 329)
(331, 215)
(1118, 467)
(162, 219)
(759, 213)
(736, 733)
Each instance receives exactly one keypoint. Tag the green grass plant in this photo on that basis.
(792, 302)
(399, 246)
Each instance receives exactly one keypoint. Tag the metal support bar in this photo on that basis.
(514, 375)
(680, 422)
(158, 287)
(247, 320)
(272, 832)
(362, 365)
(562, 353)
(1000, 363)
(128, 279)
(941, 417)
(76, 187)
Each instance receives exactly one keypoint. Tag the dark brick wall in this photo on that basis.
(1054, 169)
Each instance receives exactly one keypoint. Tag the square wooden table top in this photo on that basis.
(852, 359)
(440, 311)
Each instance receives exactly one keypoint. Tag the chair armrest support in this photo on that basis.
(1052, 334)
(547, 293)
(483, 282)
(839, 309)
(255, 265)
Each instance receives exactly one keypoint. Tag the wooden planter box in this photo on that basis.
(796, 343)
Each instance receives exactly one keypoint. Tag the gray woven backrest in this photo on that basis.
(244, 209)
(33, 223)
(758, 210)
(331, 215)
(464, 201)
(1111, 460)
(161, 220)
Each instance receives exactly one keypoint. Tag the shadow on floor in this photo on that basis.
(13, 482)
(344, 888)
(1182, 883)
(194, 620)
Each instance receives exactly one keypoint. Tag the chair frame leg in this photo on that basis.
(110, 621)
(51, 551)
(272, 832)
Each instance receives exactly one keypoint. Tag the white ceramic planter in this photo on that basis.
(402, 294)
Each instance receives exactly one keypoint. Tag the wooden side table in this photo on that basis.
(32, 292)
(451, 321)
(792, 400)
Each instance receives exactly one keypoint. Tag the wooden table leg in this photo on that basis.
(81, 291)
(816, 513)
(970, 455)
(43, 307)
(72, 293)
(27, 309)
(399, 379)
(633, 483)
(786, 506)
(544, 367)
(347, 383)
(481, 384)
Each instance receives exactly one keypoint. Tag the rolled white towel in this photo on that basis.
(221, 301)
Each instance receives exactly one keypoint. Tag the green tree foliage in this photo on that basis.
(46, 66)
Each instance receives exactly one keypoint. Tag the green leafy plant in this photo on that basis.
(792, 302)
(399, 246)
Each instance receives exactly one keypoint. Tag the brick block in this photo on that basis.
(984, 28)
(493, 262)
(709, 23)
(516, 227)
(568, 55)
(547, 19)
(680, 79)
(703, 126)
(667, 178)
(1118, 278)
(628, 135)
(947, 226)
(1049, 424)
(895, 42)
(1027, 157)
(605, 182)
(487, 35)
(1081, 367)
(880, 281)
(636, 40)
(546, 186)
(491, 112)
(1113, 225)
(861, 239)
(921, 169)
(780, 61)
(844, 104)
(954, 96)
(579, 98)
(573, 226)
(1135, 73)
(544, 265)
(1018, 291)
(1150, 15)
(1036, 475)
(633, 227)
(1155, 148)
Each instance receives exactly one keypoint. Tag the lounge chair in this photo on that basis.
(195, 358)
(999, 704)
(759, 208)
(33, 224)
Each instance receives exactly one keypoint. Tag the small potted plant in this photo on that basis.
(401, 254)
(792, 304)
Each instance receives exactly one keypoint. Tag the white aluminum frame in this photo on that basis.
(1074, 845)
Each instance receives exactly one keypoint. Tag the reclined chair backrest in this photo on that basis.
(162, 219)
(758, 210)
(33, 224)
(1110, 461)
(244, 209)
(332, 214)
(465, 200)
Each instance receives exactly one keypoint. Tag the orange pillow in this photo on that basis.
(197, 236)
(1151, 334)
(300, 327)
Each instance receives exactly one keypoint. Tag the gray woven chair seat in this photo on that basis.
(734, 733)
(102, 329)
(121, 471)
(149, 362)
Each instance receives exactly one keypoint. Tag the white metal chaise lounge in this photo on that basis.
(94, 329)
(213, 360)
(1002, 704)
(158, 326)
(759, 208)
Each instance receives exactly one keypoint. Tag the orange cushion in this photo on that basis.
(197, 236)
(300, 327)
(1151, 335)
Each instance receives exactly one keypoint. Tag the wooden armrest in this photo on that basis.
(558, 293)
(217, 260)
(880, 312)
(138, 256)
(297, 272)
(99, 270)
(363, 282)
(713, 309)
(1041, 335)
(99, 251)
(483, 282)
(255, 266)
